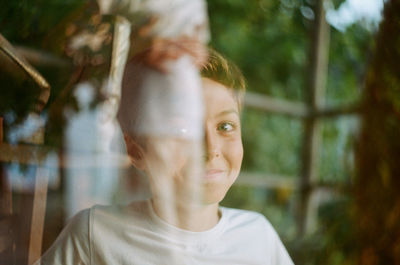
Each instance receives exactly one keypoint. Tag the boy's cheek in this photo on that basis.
(171, 156)
(234, 151)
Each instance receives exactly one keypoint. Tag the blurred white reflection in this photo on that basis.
(352, 11)
(22, 177)
(31, 130)
(89, 136)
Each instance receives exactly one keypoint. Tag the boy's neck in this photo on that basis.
(195, 218)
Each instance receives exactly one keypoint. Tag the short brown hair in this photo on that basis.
(221, 70)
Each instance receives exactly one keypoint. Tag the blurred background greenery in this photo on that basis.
(271, 43)
(270, 40)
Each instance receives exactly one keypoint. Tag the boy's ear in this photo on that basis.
(135, 152)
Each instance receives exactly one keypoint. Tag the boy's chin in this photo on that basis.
(210, 193)
(208, 198)
(213, 195)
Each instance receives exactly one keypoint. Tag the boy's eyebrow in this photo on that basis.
(226, 112)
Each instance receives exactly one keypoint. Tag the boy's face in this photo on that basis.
(223, 141)
(167, 161)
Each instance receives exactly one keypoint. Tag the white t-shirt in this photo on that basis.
(134, 234)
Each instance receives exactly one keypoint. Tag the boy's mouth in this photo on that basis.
(213, 173)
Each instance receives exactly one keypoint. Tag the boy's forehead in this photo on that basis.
(218, 91)
(207, 82)
(218, 98)
(213, 88)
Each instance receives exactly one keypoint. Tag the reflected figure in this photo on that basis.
(189, 174)
(88, 135)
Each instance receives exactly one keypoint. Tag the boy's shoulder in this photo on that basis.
(241, 215)
(247, 220)
(256, 231)
(234, 212)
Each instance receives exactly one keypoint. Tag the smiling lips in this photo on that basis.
(213, 173)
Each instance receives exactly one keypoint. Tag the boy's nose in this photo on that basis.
(211, 145)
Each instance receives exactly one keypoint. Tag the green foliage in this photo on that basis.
(263, 146)
(334, 240)
(348, 55)
(336, 152)
(337, 3)
(270, 41)
(269, 48)
(29, 22)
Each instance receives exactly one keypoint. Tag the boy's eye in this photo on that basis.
(225, 127)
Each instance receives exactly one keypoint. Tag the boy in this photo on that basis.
(182, 223)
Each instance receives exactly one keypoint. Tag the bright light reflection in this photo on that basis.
(353, 11)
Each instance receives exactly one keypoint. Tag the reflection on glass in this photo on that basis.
(179, 149)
